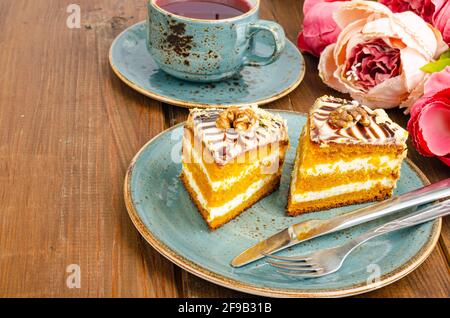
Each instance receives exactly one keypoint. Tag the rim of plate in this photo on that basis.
(221, 280)
(186, 104)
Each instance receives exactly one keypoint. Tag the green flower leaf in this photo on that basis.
(439, 65)
(445, 55)
(436, 66)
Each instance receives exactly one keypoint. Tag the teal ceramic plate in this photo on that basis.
(165, 216)
(134, 65)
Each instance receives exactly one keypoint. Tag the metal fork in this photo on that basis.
(330, 260)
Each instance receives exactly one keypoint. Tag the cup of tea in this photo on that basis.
(208, 40)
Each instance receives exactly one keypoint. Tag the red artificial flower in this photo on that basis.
(429, 125)
(436, 12)
(319, 27)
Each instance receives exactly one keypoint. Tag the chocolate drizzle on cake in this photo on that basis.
(357, 124)
(227, 144)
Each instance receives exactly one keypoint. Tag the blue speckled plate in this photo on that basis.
(133, 64)
(164, 214)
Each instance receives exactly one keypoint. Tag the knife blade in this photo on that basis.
(293, 235)
(310, 229)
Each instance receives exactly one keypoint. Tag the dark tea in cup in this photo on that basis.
(206, 10)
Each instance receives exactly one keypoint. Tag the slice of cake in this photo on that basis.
(347, 154)
(231, 159)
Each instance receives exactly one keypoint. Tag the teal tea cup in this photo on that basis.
(208, 50)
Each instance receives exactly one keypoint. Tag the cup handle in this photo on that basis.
(279, 37)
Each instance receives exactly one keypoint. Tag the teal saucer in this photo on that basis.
(162, 211)
(133, 64)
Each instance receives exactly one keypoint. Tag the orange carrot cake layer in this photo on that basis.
(347, 154)
(231, 159)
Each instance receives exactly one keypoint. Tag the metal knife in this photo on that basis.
(307, 230)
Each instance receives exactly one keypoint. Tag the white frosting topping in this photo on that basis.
(225, 145)
(381, 129)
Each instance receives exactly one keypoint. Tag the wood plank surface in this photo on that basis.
(68, 130)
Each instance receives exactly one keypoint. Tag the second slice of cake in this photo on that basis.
(347, 154)
(231, 159)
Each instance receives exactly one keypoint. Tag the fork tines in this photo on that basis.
(295, 266)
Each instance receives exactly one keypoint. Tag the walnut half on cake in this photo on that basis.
(231, 159)
(347, 154)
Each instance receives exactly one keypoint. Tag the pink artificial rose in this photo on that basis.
(429, 125)
(372, 63)
(378, 54)
(436, 12)
(434, 127)
(319, 28)
(423, 8)
(441, 18)
(437, 82)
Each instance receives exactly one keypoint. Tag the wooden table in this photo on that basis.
(68, 130)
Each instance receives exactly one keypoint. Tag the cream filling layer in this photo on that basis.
(216, 212)
(229, 182)
(342, 189)
(385, 163)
